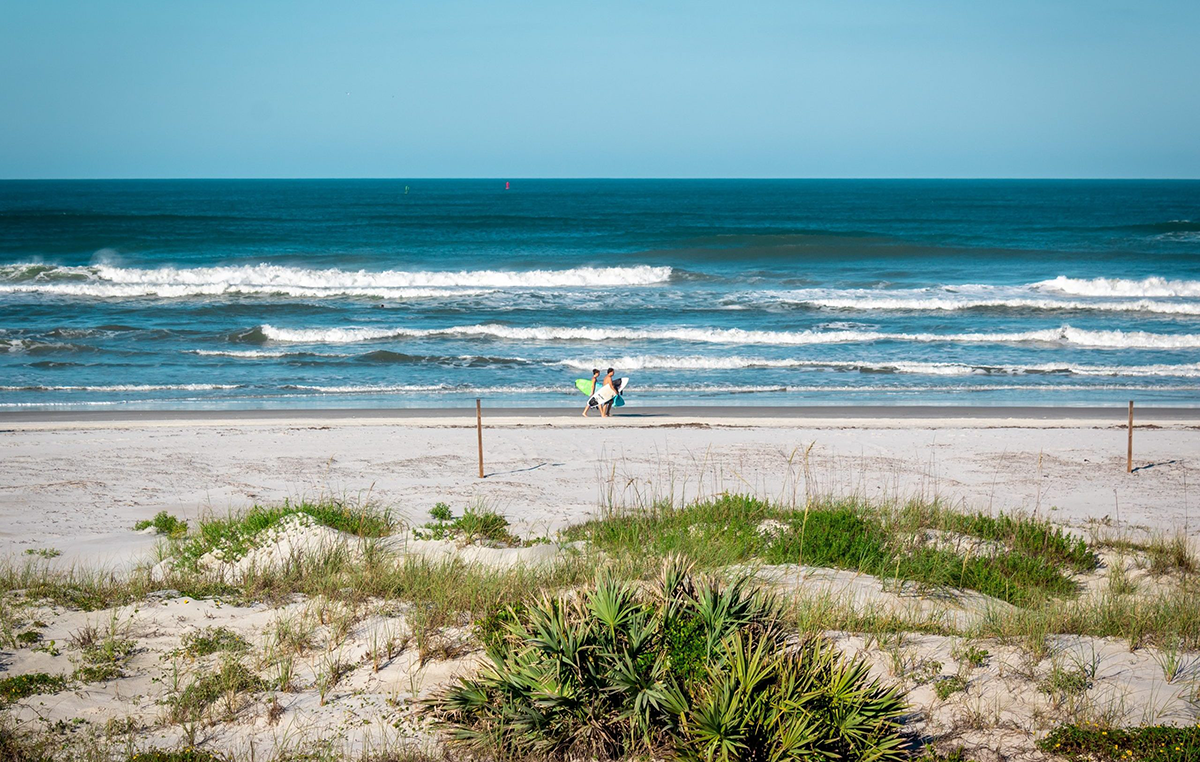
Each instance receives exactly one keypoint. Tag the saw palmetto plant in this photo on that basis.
(701, 669)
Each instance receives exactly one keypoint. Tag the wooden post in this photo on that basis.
(1129, 453)
(479, 432)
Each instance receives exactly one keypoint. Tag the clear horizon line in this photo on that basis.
(514, 178)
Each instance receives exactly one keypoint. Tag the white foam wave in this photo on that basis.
(1153, 286)
(429, 388)
(171, 282)
(942, 304)
(123, 388)
(960, 297)
(657, 362)
(673, 390)
(737, 336)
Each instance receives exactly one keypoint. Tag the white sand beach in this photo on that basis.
(79, 483)
(72, 486)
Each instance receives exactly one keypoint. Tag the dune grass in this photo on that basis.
(1155, 743)
(1034, 564)
(1025, 561)
(234, 533)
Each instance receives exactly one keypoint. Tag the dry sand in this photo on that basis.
(79, 483)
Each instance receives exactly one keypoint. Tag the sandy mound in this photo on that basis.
(542, 554)
(293, 538)
(868, 594)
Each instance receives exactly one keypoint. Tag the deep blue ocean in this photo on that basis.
(239, 294)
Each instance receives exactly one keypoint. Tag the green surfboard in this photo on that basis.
(584, 385)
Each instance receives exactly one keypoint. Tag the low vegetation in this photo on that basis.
(18, 687)
(234, 535)
(477, 525)
(1032, 563)
(692, 668)
(1156, 743)
(46, 553)
(648, 641)
(227, 687)
(212, 640)
(163, 523)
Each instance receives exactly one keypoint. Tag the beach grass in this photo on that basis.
(1017, 559)
(449, 607)
(234, 533)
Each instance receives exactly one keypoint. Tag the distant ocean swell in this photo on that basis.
(331, 293)
(734, 336)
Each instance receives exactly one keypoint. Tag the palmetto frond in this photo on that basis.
(702, 670)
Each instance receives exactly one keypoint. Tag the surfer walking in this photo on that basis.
(610, 384)
(595, 379)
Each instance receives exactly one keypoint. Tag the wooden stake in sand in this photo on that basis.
(479, 432)
(1129, 452)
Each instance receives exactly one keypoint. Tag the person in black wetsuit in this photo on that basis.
(595, 378)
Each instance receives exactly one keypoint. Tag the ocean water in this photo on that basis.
(270, 294)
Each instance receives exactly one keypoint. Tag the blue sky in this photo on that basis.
(615, 89)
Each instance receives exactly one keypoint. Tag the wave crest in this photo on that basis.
(733, 336)
(1154, 286)
(107, 281)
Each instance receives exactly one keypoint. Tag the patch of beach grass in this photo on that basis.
(1033, 563)
(1170, 618)
(104, 651)
(234, 533)
(46, 553)
(1170, 555)
(163, 523)
(212, 640)
(477, 524)
(176, 755)
(229, 684)
(17, 687)
(1098, 743)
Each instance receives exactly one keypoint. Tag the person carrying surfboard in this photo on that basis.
(595, 379)
(610, 384)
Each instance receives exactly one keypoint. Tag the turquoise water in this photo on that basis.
(235, 294)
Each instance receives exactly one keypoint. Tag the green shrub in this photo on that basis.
(164, 523)
(831, 537)
(694, 669)
(949, 686)
(213, 639)
(475, 525)
(18, 687)
(29, 637)
(491, 628)
(1157, 743)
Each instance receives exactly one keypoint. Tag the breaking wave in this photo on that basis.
(654, 362)
(735, 336)
(867, 300)
(1121, 287)
(107, 281)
